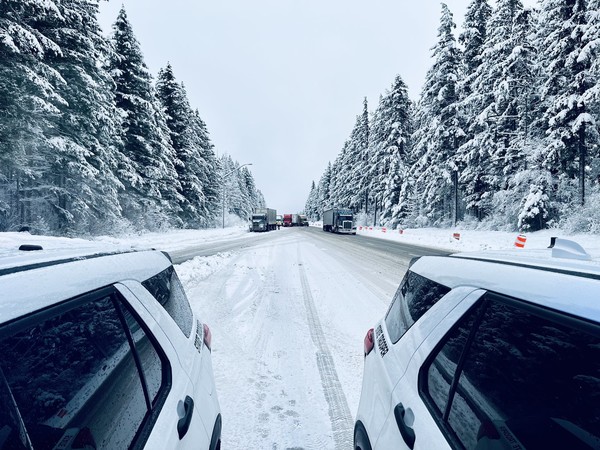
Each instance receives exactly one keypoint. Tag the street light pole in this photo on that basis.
(223, 188)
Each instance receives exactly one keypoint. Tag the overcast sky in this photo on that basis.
(279, 83)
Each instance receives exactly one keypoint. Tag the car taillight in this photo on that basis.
(488, 430)
(207, 337)
(84, 439)
(369, 343)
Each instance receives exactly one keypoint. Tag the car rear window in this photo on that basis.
(87, 376)
(512, 376)
(167, 289)
(414, 297)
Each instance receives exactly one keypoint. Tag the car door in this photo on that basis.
(179, 423)
(409, 423)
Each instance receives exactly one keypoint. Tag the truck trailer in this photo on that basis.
(295, 220)
(263, 219)
(339, 220)
(302, 220)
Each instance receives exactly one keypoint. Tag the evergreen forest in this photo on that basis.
(504, 134)
(91, 143)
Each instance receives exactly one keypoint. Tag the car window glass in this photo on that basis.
(413, 298)
(525, 381)
(12, 432)
(149, 358)
(167, 289)
(74, 378)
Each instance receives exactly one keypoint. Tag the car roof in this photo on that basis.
(571, 286)
(43, 280)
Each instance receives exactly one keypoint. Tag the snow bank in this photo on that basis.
(167, 241)
(176, 239)
(476, 240)
(201, 267)
(442, 238)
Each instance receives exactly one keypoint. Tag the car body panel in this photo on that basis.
(49, 279)
(164, 433)
(552, 289)
(63, 281)
(538, 280)
(406, 391)
(382, 374)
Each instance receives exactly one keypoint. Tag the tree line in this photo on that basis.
(90, 143)
(504, 134)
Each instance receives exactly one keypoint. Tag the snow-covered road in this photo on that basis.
(288, 318)
(288, 312)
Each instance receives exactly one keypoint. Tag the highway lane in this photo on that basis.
(214, 247)
(386, 249)
(289, 310)
(392, 252)
(379, 264)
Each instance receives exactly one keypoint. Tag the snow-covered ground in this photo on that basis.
(470, 240)
(168, 241)
(288, 320)
(288, 316)
(476, 240)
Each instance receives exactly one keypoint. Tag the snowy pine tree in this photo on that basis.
(359, 143)
(84, 139)
(570, 128)
(238, 194)
(391, 155)
(439, 131)
(147, 169)
(29, 100)
(312, 203)
(208, 172)
(181, 123)
(472, 39)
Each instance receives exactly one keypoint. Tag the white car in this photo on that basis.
(102, 351)
(487, 351)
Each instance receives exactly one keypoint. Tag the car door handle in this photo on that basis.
(408, 434)
(184, 422)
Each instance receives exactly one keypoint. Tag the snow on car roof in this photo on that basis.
(569, 286)
(537, 258)
(26, 291)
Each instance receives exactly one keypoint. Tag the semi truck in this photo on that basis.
(287, 220)
(294, 220)
(263, 219)
(339, 220)
(302, 220)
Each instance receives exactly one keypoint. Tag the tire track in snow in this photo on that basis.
(339, 412)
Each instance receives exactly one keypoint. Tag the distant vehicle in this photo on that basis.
(263, 219)
(287, 220)
(294, 220)
(487, 351)
(339, 220)
(114, 358)
(302, 220)
(279, 220)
